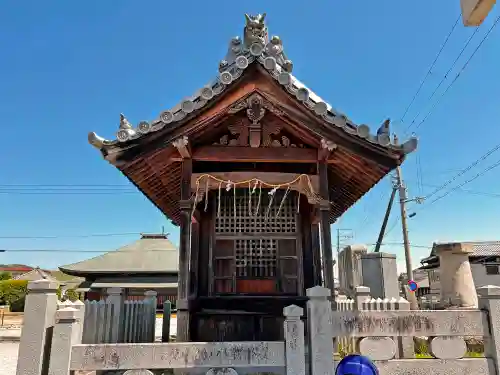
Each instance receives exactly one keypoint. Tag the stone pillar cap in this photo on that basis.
(318, 292)
(114, 291)
(453, 248)
(293, 311)
(43, 284)
(488, 290)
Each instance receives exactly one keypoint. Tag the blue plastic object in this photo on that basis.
(356, 365)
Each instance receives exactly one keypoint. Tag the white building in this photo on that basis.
(484, 261)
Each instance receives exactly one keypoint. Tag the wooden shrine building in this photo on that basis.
(253, 168)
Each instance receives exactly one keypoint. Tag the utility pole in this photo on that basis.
(406, 241)
(386, 219)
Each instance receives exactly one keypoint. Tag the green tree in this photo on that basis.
(4, 275)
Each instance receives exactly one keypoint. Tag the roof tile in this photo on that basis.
(256, 47)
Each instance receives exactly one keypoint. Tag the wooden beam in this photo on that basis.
(269, 177)
(182, 145)
(252, 155)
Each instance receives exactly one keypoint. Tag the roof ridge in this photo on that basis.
(255, 47)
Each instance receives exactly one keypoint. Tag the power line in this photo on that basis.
(144, 251)
(459, 73)
(430, 68)
(65, 185)
(445, 77)
(463, 171)
(71, 236)
(66, 192)
(466, 182)
(467, 191)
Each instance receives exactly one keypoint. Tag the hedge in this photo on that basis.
(13, 293)
(72, 295)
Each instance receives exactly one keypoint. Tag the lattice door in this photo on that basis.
(249, 231)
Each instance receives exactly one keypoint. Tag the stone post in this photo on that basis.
(67, 333)
(379, 272)
(490, 301)
(36, 335)
(294, 341)
(115, 298)
(320, 331)
(405, 344)
(457, 284)
(361, 294)
(150, 298)
(80, 306)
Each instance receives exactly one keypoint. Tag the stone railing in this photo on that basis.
(51, 342)
(362, 301)
(375, 332)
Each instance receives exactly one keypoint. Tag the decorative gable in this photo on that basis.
(256, 47)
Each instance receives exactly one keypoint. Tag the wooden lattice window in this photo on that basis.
(255, 249)
(244, 213)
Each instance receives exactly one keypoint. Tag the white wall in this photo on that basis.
(481, 278)
(478, 274)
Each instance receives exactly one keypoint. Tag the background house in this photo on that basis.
(35, 274)
(150, 263)
(16, 270)
(484, 261)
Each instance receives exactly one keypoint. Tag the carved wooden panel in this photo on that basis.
(270, 132)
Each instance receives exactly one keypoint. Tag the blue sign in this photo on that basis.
(355, 364)
(412, 285)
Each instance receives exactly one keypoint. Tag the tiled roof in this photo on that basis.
(479, 249)
(35, 274)
(255, 48)
(15, 269)
(150, 254)
(486, 249)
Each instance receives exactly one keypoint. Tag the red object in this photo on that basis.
(256, 286)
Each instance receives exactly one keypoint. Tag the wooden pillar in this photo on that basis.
(326, 235)
(316, 248)
(195, 253)
(186, 206)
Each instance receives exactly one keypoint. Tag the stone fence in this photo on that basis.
(362, 301)
(375, 331)
(51, 341)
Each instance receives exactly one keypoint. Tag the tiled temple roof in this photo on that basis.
(254, 48)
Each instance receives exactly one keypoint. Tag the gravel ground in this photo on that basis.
(8, 357)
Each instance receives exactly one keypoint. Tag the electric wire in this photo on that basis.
(491, 167)
(2, 250)
(463, 171)
(72, 236)
(445, 77)
(430, 68)
(458, 74)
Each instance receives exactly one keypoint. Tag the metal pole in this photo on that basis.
(386, 219)
(406, 241)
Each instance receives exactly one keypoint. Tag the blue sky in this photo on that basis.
(68, 68)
